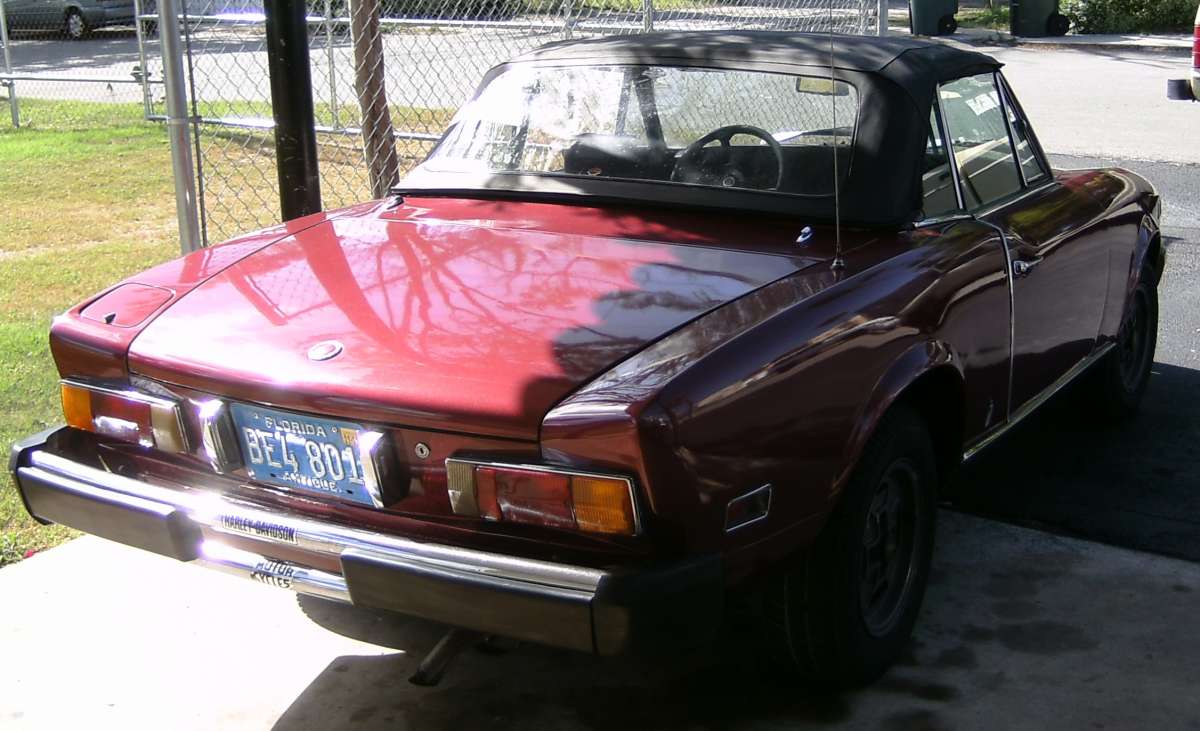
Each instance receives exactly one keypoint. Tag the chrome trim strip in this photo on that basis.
(1030, 406)
(464, 488)
(371, 446)
(749, 496)
(1012, 137)
(269, 571)
(215, 511)
(948, 218)
(1012, 313)
(217, 436)
(460, 485)
(947, 145)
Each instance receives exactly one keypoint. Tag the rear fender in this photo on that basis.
(920, 359)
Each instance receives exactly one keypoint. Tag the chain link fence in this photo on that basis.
(397, 68)
(76, 64)
(400, 69)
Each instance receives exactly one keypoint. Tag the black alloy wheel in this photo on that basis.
(843, 611)
(1134, 353)
(1119, 381)
(891, 544)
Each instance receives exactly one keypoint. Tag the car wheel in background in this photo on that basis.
(1058, 24)
(843, 614)
(1120, 380)
(947, 25)
(75, 26)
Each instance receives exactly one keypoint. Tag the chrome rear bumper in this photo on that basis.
(556, 604)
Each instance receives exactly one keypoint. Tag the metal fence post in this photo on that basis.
(292, 105)
(882, 18)
(568, 10)
(143, 67)
(333, 105)
(177, 126)
(12, 85)
(647, 16)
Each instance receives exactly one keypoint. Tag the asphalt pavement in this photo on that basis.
(1134, 484)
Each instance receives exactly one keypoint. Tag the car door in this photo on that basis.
(1059, 273)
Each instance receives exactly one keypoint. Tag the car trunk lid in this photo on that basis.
(466, 316)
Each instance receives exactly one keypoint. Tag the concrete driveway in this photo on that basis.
(1021, 630)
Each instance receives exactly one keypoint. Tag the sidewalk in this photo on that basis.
(1021, 629)
(1175, 44)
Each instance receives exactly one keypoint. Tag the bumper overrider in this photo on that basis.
(574, 607)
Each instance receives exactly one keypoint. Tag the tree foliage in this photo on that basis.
(1130, 16)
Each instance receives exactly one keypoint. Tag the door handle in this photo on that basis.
(1022, 267)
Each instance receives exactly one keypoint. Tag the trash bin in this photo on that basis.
(1034, 18)
(932, 17)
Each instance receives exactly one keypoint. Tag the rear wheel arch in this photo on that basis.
(927, 379)
(937, 395)
(1155, 259)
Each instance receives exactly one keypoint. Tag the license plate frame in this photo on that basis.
(299, 452)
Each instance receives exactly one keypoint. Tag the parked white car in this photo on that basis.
(1183, 88)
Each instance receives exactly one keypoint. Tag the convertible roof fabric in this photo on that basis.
(915, 65)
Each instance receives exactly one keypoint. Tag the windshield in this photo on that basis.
(689, 126)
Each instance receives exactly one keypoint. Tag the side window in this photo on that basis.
(937, 179)
(1031, 166)
(979, 137)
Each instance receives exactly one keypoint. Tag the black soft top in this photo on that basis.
(913, 64)
(896, 79)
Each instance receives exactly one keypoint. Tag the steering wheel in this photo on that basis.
(720, 169)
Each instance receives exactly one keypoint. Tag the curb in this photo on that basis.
(1003, 38)
(1158, 48)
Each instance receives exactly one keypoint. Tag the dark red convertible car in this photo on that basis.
(661, 321)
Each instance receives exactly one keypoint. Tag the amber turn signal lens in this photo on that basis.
(77, 406)
(603, 505)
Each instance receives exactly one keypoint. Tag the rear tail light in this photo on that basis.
(130, 416)
(1196, 45)
(545, 496)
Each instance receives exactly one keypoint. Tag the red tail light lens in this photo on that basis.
(130, 416)
(538, 498)
(543, 496)
(1196, 47)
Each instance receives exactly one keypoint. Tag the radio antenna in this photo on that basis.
(838, 262)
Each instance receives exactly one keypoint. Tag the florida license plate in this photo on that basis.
(301, 452)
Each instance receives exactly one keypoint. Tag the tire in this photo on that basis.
(1119, 381)
(828, 620)
(947, 25)
(1058, 25)
(74, 26)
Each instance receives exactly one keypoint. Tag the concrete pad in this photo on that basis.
(1021, 630)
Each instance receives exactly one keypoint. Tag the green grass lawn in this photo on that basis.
(83, 204)
(992, 18)
(86, 198)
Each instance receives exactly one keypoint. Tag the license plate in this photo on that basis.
(301, 452)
